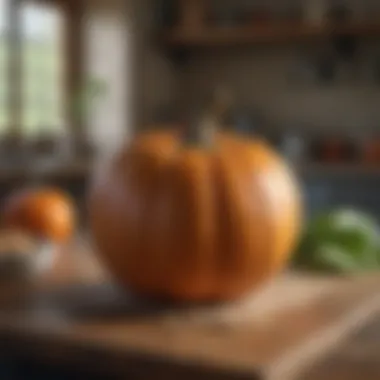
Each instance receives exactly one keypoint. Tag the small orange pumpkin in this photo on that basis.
(47, 213)
(203, 217)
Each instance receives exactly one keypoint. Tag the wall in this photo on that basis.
(262, 79)
(157, 75)
(267, 78)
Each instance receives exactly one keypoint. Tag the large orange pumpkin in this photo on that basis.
(44, 212)
(207, 216)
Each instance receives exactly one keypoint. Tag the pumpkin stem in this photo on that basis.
(203, 131)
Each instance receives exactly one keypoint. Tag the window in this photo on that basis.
(42, 68)
(33, 66)
(3, 66)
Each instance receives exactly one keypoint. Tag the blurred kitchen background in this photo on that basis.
(77, 77)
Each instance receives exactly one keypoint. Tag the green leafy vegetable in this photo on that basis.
(340, 241)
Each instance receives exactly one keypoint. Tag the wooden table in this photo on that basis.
(76, 318)
(356, 357)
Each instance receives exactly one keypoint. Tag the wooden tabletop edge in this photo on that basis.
(323, 342)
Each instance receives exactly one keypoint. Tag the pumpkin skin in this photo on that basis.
(47, 213)
(195, 224)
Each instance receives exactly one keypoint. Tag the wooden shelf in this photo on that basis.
(338, 169)
(69, 171)
(266, 33)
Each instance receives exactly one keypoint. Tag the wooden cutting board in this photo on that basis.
(75, 317)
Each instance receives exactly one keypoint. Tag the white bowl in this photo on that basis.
(21, 265)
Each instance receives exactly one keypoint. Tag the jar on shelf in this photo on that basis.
(370, 150)
(334, 149)
(315, 12)
(192, 16)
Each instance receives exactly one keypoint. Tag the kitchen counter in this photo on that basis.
(75, 318)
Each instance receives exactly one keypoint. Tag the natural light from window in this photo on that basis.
(41, 30)
(42, 27)
(3, 67)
